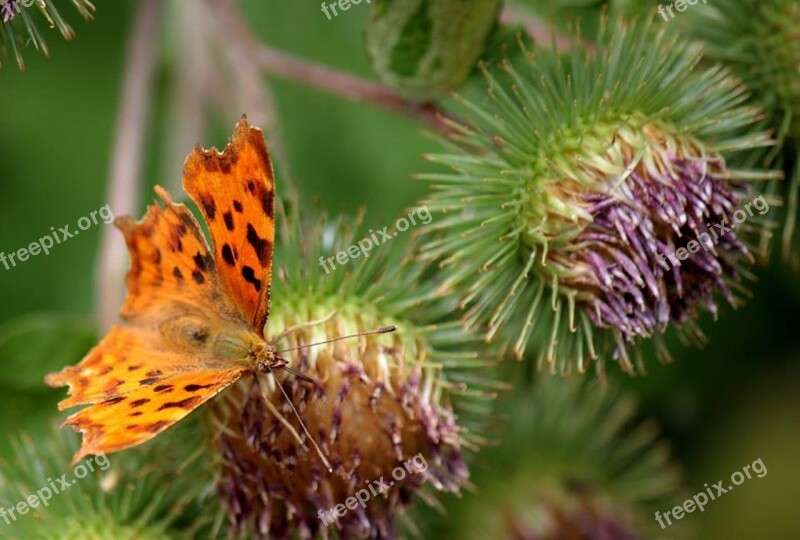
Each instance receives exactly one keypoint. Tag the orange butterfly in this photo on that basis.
(195, 320)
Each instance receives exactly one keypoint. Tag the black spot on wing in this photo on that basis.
(163, 388)
(203, 264)
(196, 387)
(175, 243)
(209, 206)
(228, 218)
(267, 204)
(238, 206)
(228, 255)
(182, 404)
(249, 276)
(209, 163)
(227, 160)
(200, 262)
(260, 245)
(139, 402)
(177, 273)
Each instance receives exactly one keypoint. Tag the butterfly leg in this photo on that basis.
(274, 410)
(282, 363)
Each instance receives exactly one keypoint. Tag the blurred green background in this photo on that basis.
(722, 407)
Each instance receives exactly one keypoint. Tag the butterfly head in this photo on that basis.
(267, 358)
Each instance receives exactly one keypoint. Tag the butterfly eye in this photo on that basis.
(198, 335)
(185, 332)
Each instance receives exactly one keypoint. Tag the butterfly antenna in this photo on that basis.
(297, 327)
(383, 330)
(305, 429)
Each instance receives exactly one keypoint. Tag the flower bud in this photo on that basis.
(574, 197)
(425, 49)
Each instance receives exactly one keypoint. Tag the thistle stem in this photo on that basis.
(281, 64)
(126, 164)
(254, 94)
(352, 88)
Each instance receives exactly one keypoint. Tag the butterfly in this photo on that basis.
(194, 315)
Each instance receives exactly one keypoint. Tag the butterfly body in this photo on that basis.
(193, 336)
(193, 320)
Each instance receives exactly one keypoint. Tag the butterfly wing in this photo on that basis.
(138, 387)
(235, 191)
(172, 270)
(146, 376)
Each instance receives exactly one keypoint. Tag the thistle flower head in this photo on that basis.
(376, 402)
(8, 8)
(583, 176)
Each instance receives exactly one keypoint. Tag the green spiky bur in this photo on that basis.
(572, 458)
(556, 129)
(139, 495)
(388, 288)
(376, 401)
(22, 29)
(425, 49)
(766, 56)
